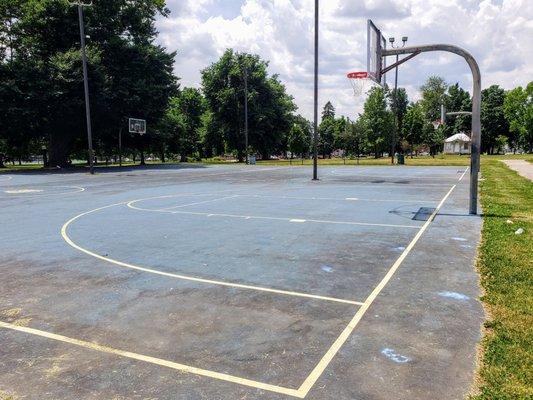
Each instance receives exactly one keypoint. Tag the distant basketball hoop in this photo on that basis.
(359, 80)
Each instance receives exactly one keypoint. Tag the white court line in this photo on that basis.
(153, 360)
(70, 242)
(78, 189)
(464, 173)
(197, 203)
(336, 198)
(333, 350)
(259, 217)
(7, 178)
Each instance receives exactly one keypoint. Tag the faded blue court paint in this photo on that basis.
(392, 355)
(454, 295)
(327, 268)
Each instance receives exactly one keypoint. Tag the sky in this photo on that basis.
(496, 32)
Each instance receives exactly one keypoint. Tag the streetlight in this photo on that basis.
(80, 4)
(315, 124)
(395, 99)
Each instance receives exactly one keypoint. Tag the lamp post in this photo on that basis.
(80, 4)
(395, 98)
(315, 123)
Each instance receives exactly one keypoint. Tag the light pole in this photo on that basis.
(81, 4)
(395, 98)
(246, 113)
(315, 123)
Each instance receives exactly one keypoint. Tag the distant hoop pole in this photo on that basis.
(476, 106)
(315, 105)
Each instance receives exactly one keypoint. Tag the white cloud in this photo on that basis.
(496, 32)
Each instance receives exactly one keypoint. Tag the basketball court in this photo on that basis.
(231, 282)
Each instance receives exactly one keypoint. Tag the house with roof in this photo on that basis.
(460, 143)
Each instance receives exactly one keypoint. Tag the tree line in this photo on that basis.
(42, 110)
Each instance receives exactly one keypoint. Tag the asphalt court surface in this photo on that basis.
(230, 282)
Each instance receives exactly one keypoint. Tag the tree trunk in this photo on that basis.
(163, 156)
(58, 152)
(142, 158)
(2, 161)
(183, 157)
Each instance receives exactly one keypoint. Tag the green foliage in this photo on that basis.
(413, 126)
(128, 74)
(269, 105)
(518, 111)
(493, 122)
(433, 96)
(378, 120)
(298, 141)
(458, 100)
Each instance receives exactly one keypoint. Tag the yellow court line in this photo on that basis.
(70, 242)
(154, 360)
(330, 354)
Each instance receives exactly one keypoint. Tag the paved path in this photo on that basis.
(523, 167)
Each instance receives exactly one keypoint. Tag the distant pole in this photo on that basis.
(120, 146)
(246, 113)
(315, 124)
(395, 101)
(86, 85)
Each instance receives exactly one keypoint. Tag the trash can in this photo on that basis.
(252, 160)
(401, 159)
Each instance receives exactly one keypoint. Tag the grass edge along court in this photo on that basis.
(505, 264)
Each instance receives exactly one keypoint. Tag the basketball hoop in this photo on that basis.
(359, 80)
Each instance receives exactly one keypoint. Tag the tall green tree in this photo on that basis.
(379, 121)
(433, 96)
(493, 122)
(518, 111)
(413, 126)
(458, 100)
(298, 141)
(270, 107)
(128, 74)
(328, 111)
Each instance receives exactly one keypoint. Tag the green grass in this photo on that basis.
(505, 264)
(439, 160)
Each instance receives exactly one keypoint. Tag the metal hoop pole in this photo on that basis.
(476, 107)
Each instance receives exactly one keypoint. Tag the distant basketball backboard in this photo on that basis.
(376, 43)
(137, 126)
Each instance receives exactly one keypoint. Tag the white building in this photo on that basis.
(457, 144)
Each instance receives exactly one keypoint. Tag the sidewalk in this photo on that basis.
(524, 168)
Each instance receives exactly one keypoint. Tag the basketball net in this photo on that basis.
(359, 81)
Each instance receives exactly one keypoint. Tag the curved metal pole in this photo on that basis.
(476, 106)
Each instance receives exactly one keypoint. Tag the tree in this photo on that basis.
(326, 132)
(378, 120)
(413, 126)
(518, 111)
(493, 122)
(298, 141)
(400, 108)
(458, 100)
(187, 110)
(270, 107)
(329, 111)
(433, 96)
(128, 74)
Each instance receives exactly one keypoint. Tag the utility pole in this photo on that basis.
(80, 5)
(246, 113)
(395, 100)
(315, 123)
